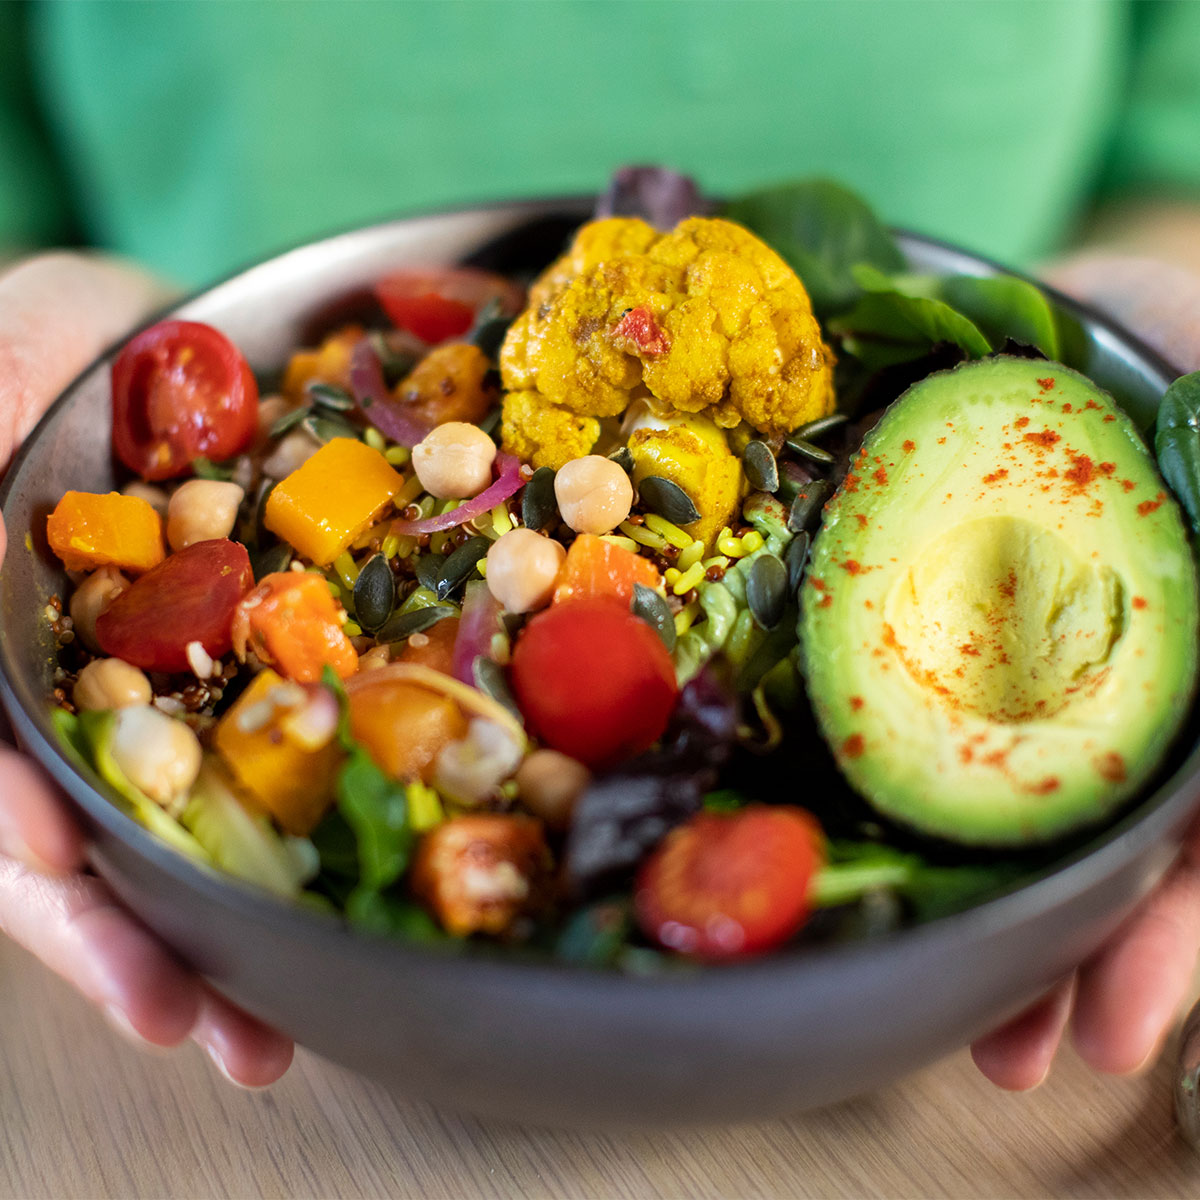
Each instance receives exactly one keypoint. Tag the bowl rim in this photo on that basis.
(1146, 821)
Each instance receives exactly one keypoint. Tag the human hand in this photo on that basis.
(1123, 1001)
(57, 313)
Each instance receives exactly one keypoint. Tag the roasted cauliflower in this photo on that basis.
(706, 319)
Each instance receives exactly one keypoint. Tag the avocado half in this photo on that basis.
(999, 620)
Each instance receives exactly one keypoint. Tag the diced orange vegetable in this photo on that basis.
(87, 530)
(329, 363)
(433, 648)
(478, 872)
(449, 384)
(404, 726)
(291, 621)
(271, 742)
(322, 506)
(594, 568)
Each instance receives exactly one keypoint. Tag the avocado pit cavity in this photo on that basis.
(1000, 618)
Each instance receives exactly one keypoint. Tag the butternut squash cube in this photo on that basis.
(88, 530)
(322, 506)
(269, 750)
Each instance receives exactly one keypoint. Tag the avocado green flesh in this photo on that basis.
(1000, 613)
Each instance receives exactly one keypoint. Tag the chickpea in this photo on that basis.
(153, 496)
(111, 683)
(549, 783)
(521, 569)
(158, 754)
(594, 494)
(454, 460)
(91, 598)
(200, 510)
(293, 451)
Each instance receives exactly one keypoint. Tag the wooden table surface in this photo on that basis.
(84, 1114)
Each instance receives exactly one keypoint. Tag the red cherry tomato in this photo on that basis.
(189, 597)
(593, 681)
(181, 391)
(728, 885)
(441, 302)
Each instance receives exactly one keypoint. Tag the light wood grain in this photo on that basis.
(84, 1114)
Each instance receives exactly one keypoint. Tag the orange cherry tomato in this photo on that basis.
(189, 597)
(437, 303)
(593, 681)
(181, 391)
(730, 885)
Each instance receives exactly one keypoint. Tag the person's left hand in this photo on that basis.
(1122, 1003)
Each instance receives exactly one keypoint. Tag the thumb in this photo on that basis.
(58, 312)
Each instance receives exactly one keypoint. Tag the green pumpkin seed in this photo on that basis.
(818, 428)
(538, 505)
(489, 328)
(810, 451)
(429, 570)
(329, 396)
(806, 508)
(459, 565)
(374, 593)
(416, 620)
(668, 499)
(491, 423)
(653, 609)
(767, 591)
(327, 427)
(262, 535)
(796, 558)
(271, 560)
(288, 421)
(394, 364)
(761, 469)
(623, 457)
(489, 679)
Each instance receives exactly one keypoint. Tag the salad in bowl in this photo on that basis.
(696, 597)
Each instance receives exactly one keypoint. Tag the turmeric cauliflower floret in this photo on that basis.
(544, 434)
(706, 318)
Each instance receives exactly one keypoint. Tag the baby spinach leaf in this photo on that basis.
(1177, 442)
(822, 230)
(376, 809)
(1005, 307)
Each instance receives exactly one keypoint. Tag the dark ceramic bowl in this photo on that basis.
(543, 1042)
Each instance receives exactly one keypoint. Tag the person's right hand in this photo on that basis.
(57, 313)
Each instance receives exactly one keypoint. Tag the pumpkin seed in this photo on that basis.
(374, 593)
(489, 679)
(403, 625)
(331, 397)
(489, 328)
(818, 428)
(262, 535)
(271, 560)
(806, 507)
(429, 570)
(767, 591)
(459, 565)
(761, 469)
(538, 505)
(289, 420)
(395, 364)
(327, 427)
(623, 457)
(654, 610)
(668, 499)
(491, 422)
(792, 479)
(810, 451)
(796, 558)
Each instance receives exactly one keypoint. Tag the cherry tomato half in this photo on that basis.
(181, 391)
(593, 680)
(729, 885)
(441, 302)
(189, 597)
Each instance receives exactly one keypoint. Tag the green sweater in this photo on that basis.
(198, 136)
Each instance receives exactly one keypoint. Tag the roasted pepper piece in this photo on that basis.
(88, 530)
(285, 762)
(449, 384)
(329, 363)
(291, 621)
(404, 726)
(478, 873)
(595, 568)
(322, 506)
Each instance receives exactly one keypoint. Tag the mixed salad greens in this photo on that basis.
(482, 619)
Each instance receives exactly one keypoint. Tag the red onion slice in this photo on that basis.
(376, 403)
(479, 624)
(508, 482)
